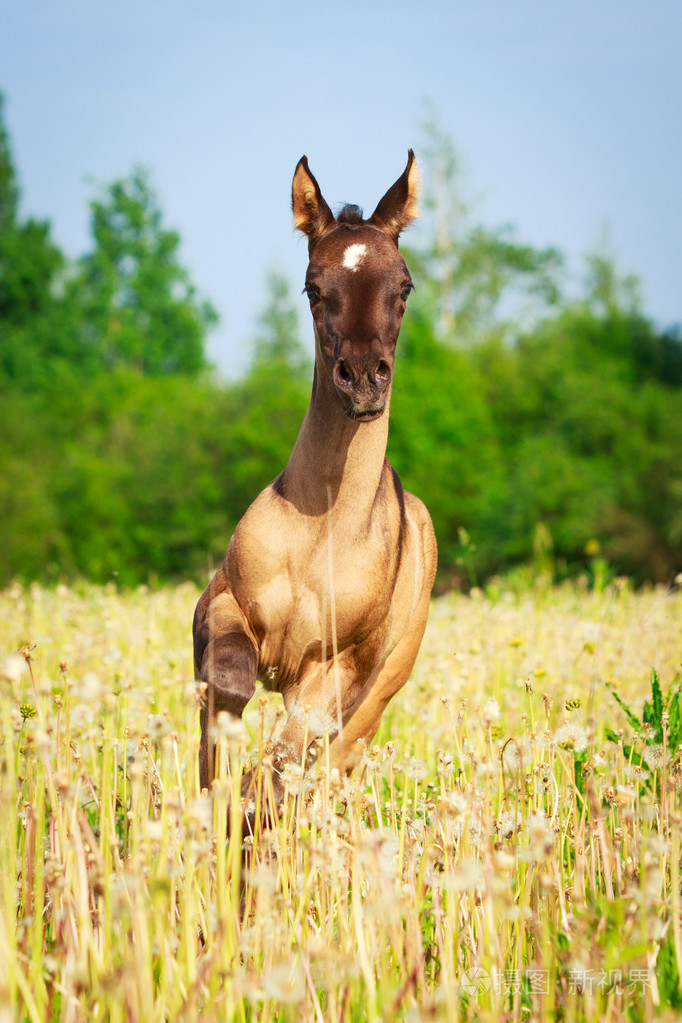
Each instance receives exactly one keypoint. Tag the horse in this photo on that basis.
(324, 591)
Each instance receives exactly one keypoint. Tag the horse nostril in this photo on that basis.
(383, 372)
(344, 372)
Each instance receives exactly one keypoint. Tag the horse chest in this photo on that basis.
(301, 606)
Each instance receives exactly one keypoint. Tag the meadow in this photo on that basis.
(508, 850)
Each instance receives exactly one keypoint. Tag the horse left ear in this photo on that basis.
(312, 215)
(398, 208)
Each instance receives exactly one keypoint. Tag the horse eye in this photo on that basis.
(312, 293)
(404, 294)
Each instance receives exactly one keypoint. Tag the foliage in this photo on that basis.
(523, 418)
(661, 722)
(139, 306)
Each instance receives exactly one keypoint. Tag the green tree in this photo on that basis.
(140, 308)
(442, 441)
(266, 407)
(584, 408)
(277, 342)
(34, 318)
(473, 280)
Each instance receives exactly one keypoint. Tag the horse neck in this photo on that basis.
(336, 460)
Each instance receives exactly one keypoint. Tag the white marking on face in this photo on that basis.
(353, 256)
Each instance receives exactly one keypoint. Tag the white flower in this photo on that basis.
(491, 712)
(655, 756)
(571, 736)
(90, 689)
(476, 832)
(158, 726)
(200, 813)
(229, 727)
(507, 824)
(518, 753)
(13, 668)
(284, 983)
(468, 875)
(417, 769)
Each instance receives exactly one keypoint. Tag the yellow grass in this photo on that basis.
(481, 864)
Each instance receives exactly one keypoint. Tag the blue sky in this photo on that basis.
(567, 115)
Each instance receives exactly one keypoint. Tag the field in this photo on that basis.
(509, 850)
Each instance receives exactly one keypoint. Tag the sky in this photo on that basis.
(567, 116)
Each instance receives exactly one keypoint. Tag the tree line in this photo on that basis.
(539, 423)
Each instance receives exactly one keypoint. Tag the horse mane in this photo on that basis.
(350, 214)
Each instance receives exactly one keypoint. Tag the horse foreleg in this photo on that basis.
(226, 659)
(361, 720)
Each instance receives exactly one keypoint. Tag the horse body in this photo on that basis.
(324, 590)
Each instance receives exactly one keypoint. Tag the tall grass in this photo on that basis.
(495, 856)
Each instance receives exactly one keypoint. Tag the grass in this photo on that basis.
(496, 857)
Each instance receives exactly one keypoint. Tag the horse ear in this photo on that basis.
(398, 208)
(311, 213)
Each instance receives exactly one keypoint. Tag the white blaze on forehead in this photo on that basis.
(353, 256)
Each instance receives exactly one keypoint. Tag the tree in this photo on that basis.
(472, 279)
(140, 308)
(277, 343)
(32, 303)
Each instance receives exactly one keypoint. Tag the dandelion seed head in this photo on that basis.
(468, 875)
(655, 756)
(13, 668)
(417, 770)
(476, 830)
(490, 712)
(507, 824)
(89, 689)
(571, 736)
(158, 725)
(230, 727)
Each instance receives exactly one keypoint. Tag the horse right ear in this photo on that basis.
(398, 208)
(311, 213)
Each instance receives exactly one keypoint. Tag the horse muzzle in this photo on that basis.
(363, 390)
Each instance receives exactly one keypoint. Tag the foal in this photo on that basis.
(324, 591)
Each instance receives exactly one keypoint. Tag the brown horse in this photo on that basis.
(324, 591)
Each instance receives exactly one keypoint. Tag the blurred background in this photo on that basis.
(156, 353)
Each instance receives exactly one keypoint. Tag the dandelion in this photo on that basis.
(89, 689)
(571, 736)
(158, 726)
(655, 756)
(541, 839)
(507, 824)
(517, 753)
(319, 722)
(456, 804)
(82, 717)
(229, 727)
(476, 831)
(13, 668)
(284, 983)
(636, 772)
(417, 770)
(153, 830)
(504, 861)
(468, 875)
(290, 776)
(490, 712)
(200, 814)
